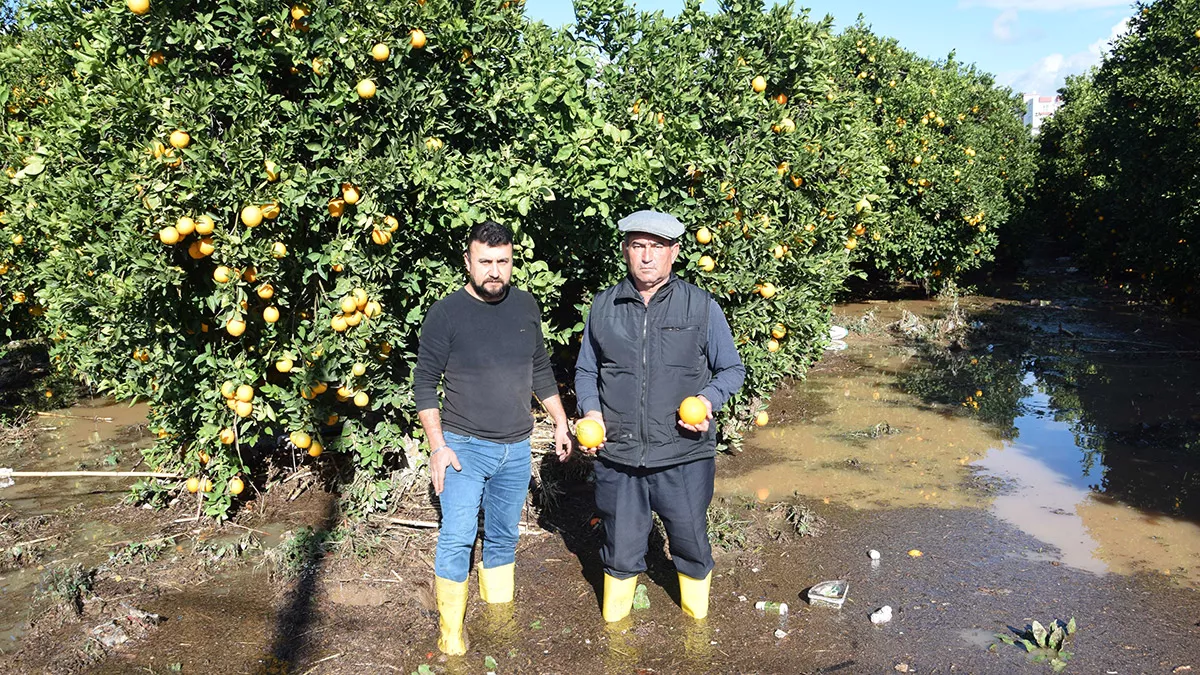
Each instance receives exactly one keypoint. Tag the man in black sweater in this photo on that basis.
(483, 345)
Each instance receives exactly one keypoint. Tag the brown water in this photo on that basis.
(1093, 450)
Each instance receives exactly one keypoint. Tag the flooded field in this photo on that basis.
(1010, 460)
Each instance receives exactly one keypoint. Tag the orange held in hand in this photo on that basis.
(693, 411)
(589, 433)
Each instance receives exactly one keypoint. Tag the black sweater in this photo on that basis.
(488, 357)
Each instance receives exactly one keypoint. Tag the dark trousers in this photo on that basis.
(680, 495)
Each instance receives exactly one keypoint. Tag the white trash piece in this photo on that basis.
(882, 615)
(874, 554)
(780, 607)
(836, 346)
(837, 333)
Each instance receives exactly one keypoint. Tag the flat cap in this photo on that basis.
(652, 222)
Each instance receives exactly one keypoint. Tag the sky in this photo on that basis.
(1029, 45)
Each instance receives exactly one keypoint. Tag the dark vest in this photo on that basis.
(650, 358)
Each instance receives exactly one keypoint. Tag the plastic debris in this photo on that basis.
(780, 633)
(836, 346)
(837, 333)
(874, 554)
(641, 599)
(830, 593)
(882, 615)
(915, 553)
(774, 607)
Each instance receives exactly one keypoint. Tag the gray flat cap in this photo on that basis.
(652, 222)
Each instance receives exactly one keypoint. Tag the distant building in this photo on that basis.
(1038, 108)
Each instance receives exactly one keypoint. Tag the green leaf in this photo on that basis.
(1039, 634)
(1071, 626)
(490, 663)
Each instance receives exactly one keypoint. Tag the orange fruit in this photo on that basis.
(271, 314)
(331, 420)
(315, 449)
(139, 7)
(361, 399)
(417, 37)
(228, 436)
(320, 387)
(284, 365)
(772, 345)
(203, 457)
(156, 59)
(222, 275)
(761, 419)
(778, 331)
(243, 408)
(244, 393)
(589, 433)
(193, 484)
(337, 206)
(235, 327)
(350, 193)
(270, 211)
(338, 323)
(250, 274)
(781, 99)
(392, 223)
(354, 318)
(348, 305)
(205, 225)
(706, 263)
(693, 410)
(380, 237)
(372, 309)
(228, 389)
(169, 235)
(381, 52)
(205, 246)
(767, 290)
(300, 439)
(360, 297)
(206, 485)
(236, 485)
(704, 235)
(252, 216)
(185, 226)
(359, 369)
(266, 291)
(758, 84)
(179, 139)
(271, 170)
(365, 89)
(299, 12)
(279, 250)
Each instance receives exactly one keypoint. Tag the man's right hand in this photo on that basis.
(438, 462)
(599, 417)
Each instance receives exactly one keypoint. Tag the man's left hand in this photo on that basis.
(563, 442)
(703, 426)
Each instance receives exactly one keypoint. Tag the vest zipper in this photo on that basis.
(645, 384)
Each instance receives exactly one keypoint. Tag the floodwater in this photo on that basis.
(1087, 440)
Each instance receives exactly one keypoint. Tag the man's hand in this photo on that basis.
(563, 442)
(703, 426)
(438, 462)
(599, 417)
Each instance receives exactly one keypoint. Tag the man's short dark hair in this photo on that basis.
(490, 233)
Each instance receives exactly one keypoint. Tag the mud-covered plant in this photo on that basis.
(1045, 644)
(300, 552)
(68, 585)
(726, 527)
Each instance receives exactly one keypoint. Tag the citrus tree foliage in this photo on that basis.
(734, 122)
(1123, 154)
(959, 158)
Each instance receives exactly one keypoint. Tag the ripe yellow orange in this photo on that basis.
(589, 433)
(235, 327)
(758, 84)
(206, 485)
(351, 193)
(139, 7)
(185, 226)
(693, 410)
(781, 99)
(380, 237)
(772, 345)
(222, 275)
(391, 223)
(279, 250)
(271, 314)
(361, 399)
(359, 369)
(851, 243)
(372, 309)
(156, 59)
(704, 235)
(761, 419)
(300, 439)
(204, 246)
(284, 365)
(205, 225)
(417, 37)
(778, 331)
(365, 89)
(243, 408)
(706, 263)
(193, 483)
(250, 274)
(180, 139)
(266, 291)
(786, 125)
(319, 388)
(203, 457)
(244, 393)
(778, 251)
(236, 485)
(432, 143)
(380, 52)
(767, 290)
(348, 305)
(169, 235)
(360, 297)
(337, 206)
(252, 216)
(271, 170)
(315, 449)
(338, 323)
(228, 389)
(331, 420)
(228, 436)
(270, 211)
(354, 318)
(299, 12)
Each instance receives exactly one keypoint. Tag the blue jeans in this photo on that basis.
(495, 475)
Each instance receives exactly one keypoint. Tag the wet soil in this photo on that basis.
(1039, 447)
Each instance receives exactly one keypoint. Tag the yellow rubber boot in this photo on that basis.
(693, 595)
(452, 608)
(496, 584)
(618, 597)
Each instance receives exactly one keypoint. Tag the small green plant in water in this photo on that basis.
(1045, 644)
(68, 585)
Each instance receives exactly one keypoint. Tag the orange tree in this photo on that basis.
(734, 122)
(1120, 160)
(245, 209)
(960, 160)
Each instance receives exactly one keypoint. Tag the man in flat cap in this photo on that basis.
(651, 341)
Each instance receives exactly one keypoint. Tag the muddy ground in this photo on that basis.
(288, 587)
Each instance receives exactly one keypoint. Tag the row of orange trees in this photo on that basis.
(1121, 159)
(240, 211)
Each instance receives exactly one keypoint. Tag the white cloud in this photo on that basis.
(1050, 72)
(1002, 27)
(1044, 5)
